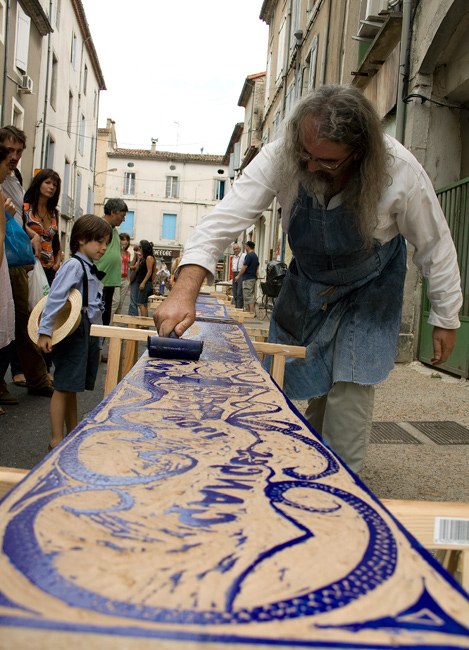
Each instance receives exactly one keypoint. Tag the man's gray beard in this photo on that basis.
(320, 182)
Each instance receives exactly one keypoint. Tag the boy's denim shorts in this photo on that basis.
(76, 360)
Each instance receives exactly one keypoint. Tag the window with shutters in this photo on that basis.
(219, 189)
(81, 139)
(49, 153)
(70, 113)
(53, 81)
(169, 226)
(85, 78)
(23, 22)
(73, 51)
(2, 21)
(129, 183)
(172, 187)
(281, 52)
(312, 59)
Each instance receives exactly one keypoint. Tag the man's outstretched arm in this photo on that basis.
(177, 311)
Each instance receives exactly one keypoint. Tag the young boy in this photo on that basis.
(76, 358)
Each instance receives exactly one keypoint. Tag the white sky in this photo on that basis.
(177, 61)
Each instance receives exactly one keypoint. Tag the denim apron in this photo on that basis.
(341, 301)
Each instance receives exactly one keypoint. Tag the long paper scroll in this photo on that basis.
(195, 508)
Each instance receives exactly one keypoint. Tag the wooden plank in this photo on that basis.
(277, 369)
(133, 320)
(419, 518)
(194, 508)
(122, 333)
(114, 363)
(131, 356)
(9, 477)
(280, 350)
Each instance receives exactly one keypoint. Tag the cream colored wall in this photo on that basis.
(149, 202)
(26, 105)
(66, 145)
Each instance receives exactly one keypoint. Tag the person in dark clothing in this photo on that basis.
(249, 276)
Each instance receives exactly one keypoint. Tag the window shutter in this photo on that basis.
(22, 40)
(312, 63)
(281, 51)
(169, 226)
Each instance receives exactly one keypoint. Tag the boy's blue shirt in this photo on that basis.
(70, 276)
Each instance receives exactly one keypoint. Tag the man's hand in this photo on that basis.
(45, 343)
(9, 206)
(443, 344)
(35, 242)
(177, 312)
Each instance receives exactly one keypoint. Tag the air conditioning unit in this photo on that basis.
(373, 7)
(26, 85)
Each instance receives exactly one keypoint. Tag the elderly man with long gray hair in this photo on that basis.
(351, 196)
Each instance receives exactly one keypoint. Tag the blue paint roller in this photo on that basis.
(172, 347)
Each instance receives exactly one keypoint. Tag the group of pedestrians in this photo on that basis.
(36, 213)
(100, 268)
(245, 270)
(140, 277)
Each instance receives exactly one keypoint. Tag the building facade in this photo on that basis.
(167, 193)
(51, 85)
(411, 59)
(24, 28)
(67, 116)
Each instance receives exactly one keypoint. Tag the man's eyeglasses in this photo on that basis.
(306, 157)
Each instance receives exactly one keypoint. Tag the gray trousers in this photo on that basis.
(344, 417)
(237, 294)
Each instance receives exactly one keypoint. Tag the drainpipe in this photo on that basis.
(403, 70)
(5, 65)
(287, 58)
(322, 77)
(46, 95)
(78, 123)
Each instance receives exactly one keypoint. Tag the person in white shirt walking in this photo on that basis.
(237, 262)
(350, 196)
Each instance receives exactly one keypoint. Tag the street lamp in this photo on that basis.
(114, 169)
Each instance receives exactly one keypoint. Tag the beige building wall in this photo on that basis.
(193, 189)
(28, 29)
(67, 112)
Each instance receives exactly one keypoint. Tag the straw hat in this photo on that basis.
(67, 320)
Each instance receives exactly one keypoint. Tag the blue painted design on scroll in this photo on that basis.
(201, 451)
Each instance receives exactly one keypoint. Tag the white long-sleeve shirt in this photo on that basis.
(408, 206)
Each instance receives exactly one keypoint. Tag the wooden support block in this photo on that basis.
(123, 333)
(130, 357)
(240, 316)
(257, 332)
(280, 350)
(114, 365)
(419, 517)
(277, 369)
(133, 321)
(9, 477)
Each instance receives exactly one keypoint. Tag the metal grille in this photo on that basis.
(390, 433)
(444, 433)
